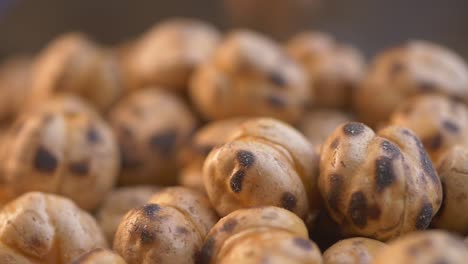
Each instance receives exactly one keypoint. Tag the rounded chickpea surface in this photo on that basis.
(99, 256)
(413, 68)
(63, 147)
(378, 185)
(169, 229)
(151, 126)
(259, 235)
(264, 162)
(74, 64)
(249, 75)
(433, 246)
(39, 228)
(357, 250)
(335, 69)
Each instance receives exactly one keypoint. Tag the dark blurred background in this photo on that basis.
(26, 25)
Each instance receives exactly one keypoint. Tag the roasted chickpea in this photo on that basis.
(185, 43)
(437, 120)
(256, 235)
(169, 229)
(152, 126)
(424, 247)
(62, 147)
(38, 228)
(74, 64)
(264, 162)
(357, 250)
(413, 68)
(378, 185)
(249, 75)
(335, 69)
(99, 256)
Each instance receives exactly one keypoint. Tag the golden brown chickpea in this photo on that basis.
(152, 126)
(205, 139)
(438, 121)
(399, 73)
(118, 202)
(185, 43)
(358, 250)
(378, 185)
(335, 69)
(316, 125)
(249, 75)
(39, 228)
(264, 162)
(63, 147)
(15, 77)
(424, 247)
(169, 229)
(99, 256)
(259, 235)
(453, 173)
(74, 64)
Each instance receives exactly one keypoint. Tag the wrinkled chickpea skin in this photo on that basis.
(259, 234)
(269, 163)
(378, 185)
(39, 228)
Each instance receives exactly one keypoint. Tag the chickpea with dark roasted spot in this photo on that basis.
(378, 185)
(435, 247)
(437, 120)
(169, 229)
(203, 141)
(259, 235)
(357, 250)
(151, 126)
(62, 147)
(249, 75)
(118, 202)
(264, 162)
(399, 73)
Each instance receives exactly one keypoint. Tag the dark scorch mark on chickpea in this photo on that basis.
(245, 158)
(434, 142)
(93, 135)
(450, 126)
(151, 210)
(236, 181)
(335, 143)
(302, 243)
(163, 143)
(277, 79)
(79, 168)
(276, 101)
(45, 161)
(336, 186)
(384, 173)
(229, 225)
(424, 217)
(353, 129)
(288, 201)
(358, 209)
(391, 149)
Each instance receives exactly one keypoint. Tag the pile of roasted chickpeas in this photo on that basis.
(186, 145)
